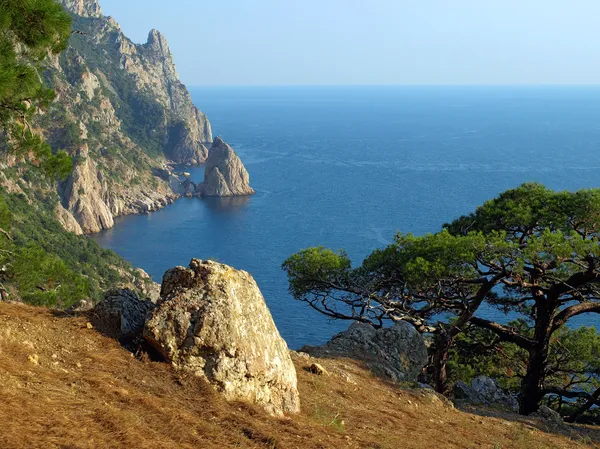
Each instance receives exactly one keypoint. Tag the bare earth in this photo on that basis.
(64, 385)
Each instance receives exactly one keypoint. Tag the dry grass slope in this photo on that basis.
(63, 385)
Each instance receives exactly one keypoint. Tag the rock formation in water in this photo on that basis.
(398, 353)
(225, 174)
(212, 320)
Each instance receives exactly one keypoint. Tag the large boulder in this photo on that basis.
(398, 353)
(224, 174)
(212, 320)
(122, 314)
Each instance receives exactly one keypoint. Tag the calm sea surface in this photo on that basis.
(348, 167)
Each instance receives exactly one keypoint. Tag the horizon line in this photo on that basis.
(398, 85)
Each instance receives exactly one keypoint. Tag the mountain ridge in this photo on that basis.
(124, 116)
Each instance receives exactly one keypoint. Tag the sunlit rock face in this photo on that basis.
(225, 174)
(212, 320)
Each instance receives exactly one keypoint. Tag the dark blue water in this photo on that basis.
(348, 167)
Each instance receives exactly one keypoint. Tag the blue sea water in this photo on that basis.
(347, 167)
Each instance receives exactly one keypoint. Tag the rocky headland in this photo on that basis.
(126, 119)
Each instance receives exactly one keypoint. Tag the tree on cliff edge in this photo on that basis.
(531, 251)
(29, 31)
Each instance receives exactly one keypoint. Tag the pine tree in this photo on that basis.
(30, 30)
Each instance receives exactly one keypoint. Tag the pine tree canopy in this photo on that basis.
(30, 30)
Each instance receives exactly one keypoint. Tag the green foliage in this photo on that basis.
(312, 267)
(29, 29)
(572, 367)
(530, 251)
(479, 351)
(47, 265)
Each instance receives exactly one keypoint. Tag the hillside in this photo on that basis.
(63, 385)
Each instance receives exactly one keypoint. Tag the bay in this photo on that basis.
(347, 167)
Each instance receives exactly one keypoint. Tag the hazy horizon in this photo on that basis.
(380, 42)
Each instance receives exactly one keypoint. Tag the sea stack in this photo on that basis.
(224, 175)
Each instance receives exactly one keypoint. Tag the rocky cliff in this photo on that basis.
(124, 116)
(224, 175)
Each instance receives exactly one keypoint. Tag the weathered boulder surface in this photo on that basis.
(484, 391)
(224, 174)
(121, 314)
(551, 417)
(398, 353)
(212, 320)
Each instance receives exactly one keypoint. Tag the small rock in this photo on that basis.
(317, 369)
(398, 353)
(551, 417)
(34, 359)
(122, 314)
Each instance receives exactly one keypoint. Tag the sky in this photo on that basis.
(372, 42)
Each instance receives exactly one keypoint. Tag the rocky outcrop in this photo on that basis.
(550, 417)
(83, 196)
(484, 391)
(121, 112)
(84, 8)
(121, 314)
(212, 320)
(67, 220)
(224, 174)
(398, 353)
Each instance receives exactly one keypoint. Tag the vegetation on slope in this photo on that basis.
(531, 252)
(43, 264)
(64, 385)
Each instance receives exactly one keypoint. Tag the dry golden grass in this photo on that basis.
(63, 385)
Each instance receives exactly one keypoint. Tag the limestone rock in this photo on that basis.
(465, 393)
(83, 196)
(484, 391)
(121, 112)
(551, 417)
(84, 8)
(81, 306)
(397, 353)
(121, 314)
(68, 221)
(317, 368)
(224, 174)
(489, 389)
(212, 320)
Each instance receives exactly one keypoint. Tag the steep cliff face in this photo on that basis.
(224, 175)
(122, 113)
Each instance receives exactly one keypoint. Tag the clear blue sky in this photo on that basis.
(330, 42)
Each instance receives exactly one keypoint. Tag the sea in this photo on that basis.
(348, 167)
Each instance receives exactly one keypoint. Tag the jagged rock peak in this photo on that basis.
(225, 174)
(158, 42)
(84, 8)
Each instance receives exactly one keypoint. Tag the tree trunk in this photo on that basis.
(533, 383)
(442, 344)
